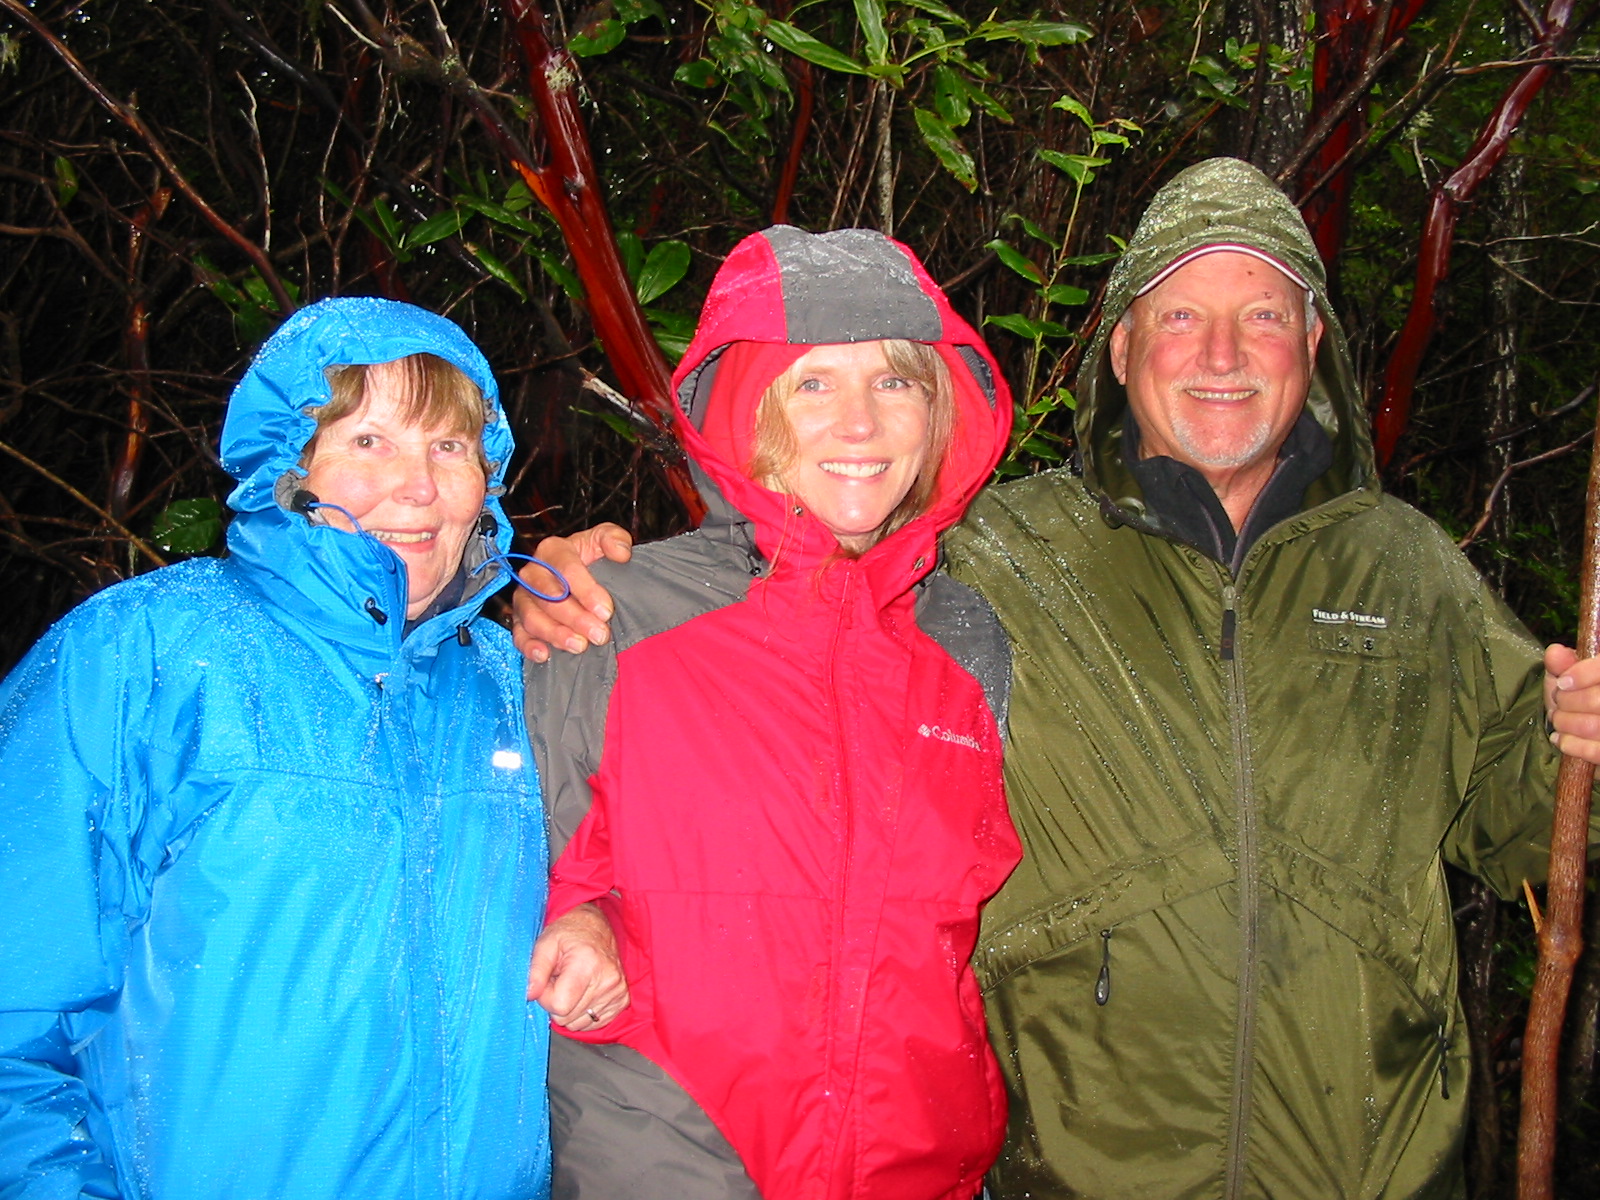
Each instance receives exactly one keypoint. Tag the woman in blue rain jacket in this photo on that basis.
(272, 855)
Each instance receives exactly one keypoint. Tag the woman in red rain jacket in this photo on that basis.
(780, 779)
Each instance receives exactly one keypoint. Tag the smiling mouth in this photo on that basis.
(404, 539)
(854, 470)
(1215, 397)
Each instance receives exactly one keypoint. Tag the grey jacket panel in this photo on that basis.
(967, 629)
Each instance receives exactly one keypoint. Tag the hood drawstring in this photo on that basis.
(487, 527)
(305, 502)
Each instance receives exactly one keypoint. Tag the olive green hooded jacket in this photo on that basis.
(1226, 965)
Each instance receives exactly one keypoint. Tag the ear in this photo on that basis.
(1314, 338)
(1119, 352)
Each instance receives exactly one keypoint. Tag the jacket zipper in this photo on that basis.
(1102, 983)
(1249, 896)
(842, 894)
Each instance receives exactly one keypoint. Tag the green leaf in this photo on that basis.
(435, 229)
(188, 526)
(947, 147)
(1016, 323)
(950, 97)
(803, 45)
(1091, 260)
(599, 38)
(518, 197)
(496, 268)
(665, 265)
(1586, 187)
(499, 214)
(66, 180)
(1062, 293)
(987, 102)
(1040, 448)
(1068, 104)
(630, 11)
(1016, 260)
(565, 279)
(938, 10)
(1036, 33)
(870, 14)
(1034, 231)
(620, 425)
(387, 220)
(632, 251)
(1080, 167)
(698, 74)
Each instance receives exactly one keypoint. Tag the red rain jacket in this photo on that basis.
(798, 801)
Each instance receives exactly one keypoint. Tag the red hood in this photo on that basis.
(786, 290)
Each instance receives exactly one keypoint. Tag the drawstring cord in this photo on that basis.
(304, 502)
(498, 556)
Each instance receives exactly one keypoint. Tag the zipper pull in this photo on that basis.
(1444, 1064)
(1229, 618)
(1102, 985)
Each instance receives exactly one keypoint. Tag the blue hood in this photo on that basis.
(334, 580)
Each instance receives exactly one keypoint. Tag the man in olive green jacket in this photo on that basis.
(1256, 705)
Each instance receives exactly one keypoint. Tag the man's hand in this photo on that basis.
(1572, 702)
(581, 619)
(576, 974)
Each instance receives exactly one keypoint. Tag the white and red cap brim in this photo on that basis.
(1214, 248)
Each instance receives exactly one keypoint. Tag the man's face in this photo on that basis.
(1216, 360)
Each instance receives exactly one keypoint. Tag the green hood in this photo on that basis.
(1220, 200)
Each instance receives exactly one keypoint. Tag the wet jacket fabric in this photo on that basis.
(787, 766)
(1226, 965)
(271, 870)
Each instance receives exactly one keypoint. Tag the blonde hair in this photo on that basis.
(435, 393)
(775, 449)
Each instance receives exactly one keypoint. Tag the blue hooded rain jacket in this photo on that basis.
(270, 867)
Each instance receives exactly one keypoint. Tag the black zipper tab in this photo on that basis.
(1444, 1064)
(1228, 618)
(1102, 985)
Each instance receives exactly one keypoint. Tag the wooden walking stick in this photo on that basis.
(1561, 937)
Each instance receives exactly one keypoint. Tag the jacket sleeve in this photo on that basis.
(566, 706)
(66, 853)
(1502, 831)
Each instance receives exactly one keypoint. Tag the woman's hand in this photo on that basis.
(580, 620)
(576, 973)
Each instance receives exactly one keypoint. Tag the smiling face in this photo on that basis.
(1217, 361)
(861, 434)
(417, 489)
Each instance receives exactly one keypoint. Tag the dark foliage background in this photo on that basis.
(175, 175)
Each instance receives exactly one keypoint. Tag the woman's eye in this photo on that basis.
(452, 446)
(365, 441)
(895, 382)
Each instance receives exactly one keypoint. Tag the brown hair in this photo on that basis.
(774, 450)
(435, 393)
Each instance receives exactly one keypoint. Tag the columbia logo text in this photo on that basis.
(949, 735)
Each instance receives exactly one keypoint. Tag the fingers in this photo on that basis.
(611, 540)
(580, 621)
(576, 973)
(1572, 702)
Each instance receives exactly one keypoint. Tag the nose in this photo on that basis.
(414, 482)
(855, 417)
(1223, 350)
